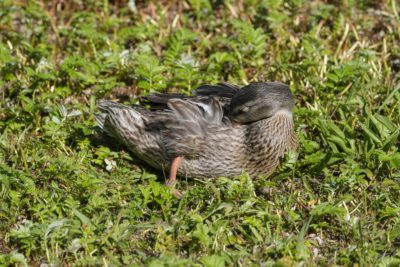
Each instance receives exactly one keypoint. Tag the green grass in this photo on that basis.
(65, 199)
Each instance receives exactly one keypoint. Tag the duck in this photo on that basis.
(222, 130)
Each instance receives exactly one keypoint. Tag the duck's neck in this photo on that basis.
(272, 135)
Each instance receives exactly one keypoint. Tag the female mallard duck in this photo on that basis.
(220, 131)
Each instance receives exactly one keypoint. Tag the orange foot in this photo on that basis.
(172, 176)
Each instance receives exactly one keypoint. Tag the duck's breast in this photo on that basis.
(221, 154)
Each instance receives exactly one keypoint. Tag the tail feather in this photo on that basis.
(118, 120)
(100, 119)
(107, 106)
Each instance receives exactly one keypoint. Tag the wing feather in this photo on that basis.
(190, 125)
(183, 122)
(221, 90)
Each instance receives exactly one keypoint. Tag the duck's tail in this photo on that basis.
(128, 126)
(100, 119)
(106, 107)
(118, 120)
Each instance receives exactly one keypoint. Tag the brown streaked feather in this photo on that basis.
(187, 131)
(159, 101)
(221, 89)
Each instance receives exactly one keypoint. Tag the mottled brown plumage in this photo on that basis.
(221, 131)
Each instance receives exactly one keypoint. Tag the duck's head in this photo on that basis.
(259, 101)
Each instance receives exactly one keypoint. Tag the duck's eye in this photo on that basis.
(241, 111)
(245, 109)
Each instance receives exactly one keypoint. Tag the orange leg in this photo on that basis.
(172, 175)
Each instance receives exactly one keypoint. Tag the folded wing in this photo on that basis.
(225, 90)
(189, 125)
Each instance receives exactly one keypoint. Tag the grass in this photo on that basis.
(66, 199)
